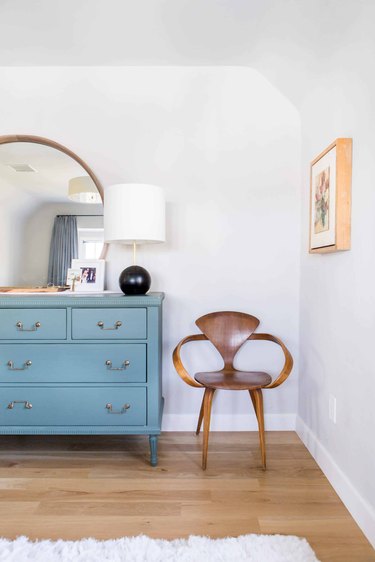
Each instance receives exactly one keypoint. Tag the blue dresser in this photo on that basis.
(78, 364)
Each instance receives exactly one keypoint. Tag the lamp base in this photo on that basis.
(135, 280)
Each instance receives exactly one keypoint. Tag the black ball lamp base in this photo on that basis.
(135, 280)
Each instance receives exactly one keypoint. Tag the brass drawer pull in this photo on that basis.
(122, 411)
(33, 328)
(124, 365)
(11, 366)
(28, 404)
(116, 325)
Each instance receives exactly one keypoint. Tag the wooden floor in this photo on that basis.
(74, 487)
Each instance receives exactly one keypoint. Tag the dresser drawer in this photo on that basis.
(104, 363)
(32, 324)
(109, 323)
(68, 406)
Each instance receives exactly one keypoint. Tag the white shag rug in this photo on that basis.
(247, 548)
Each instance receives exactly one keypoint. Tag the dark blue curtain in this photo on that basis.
(64, 248)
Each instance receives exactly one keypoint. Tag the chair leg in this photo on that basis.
(257, 400)
(254, 403)
(200, 419)
(207, 403)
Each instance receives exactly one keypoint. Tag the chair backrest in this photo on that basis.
(227, 331)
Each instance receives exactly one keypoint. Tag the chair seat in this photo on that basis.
(233, 379)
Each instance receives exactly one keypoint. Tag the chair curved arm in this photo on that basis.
(285, 372)
(178, 365)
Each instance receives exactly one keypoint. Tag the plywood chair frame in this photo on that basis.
(254, 391)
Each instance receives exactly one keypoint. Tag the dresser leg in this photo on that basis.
(153, 450)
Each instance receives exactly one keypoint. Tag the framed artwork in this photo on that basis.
(88, 275)
(330, 198)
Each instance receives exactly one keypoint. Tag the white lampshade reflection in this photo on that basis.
(134, 213)
(83, 190)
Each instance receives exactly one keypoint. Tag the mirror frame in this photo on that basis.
(7, 139)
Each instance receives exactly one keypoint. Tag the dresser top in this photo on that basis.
(106, 299)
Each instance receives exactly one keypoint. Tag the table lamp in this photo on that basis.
(134, 213)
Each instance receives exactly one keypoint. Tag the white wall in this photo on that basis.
(337, 291)
(13, 212)
(225, 145)
(6, 194)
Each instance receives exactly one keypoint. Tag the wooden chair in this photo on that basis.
(228, 331)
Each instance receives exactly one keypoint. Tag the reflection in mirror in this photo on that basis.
(50, 212)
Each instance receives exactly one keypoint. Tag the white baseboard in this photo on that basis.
(222, 422)
(361, 511)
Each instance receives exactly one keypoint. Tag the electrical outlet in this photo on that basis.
(332, 408)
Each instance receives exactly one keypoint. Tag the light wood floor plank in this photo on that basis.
(102, 486)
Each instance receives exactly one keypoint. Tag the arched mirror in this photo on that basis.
(51, 211)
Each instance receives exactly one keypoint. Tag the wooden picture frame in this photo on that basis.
(330, 198)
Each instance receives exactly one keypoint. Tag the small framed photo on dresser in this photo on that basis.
(89, 275)
(330, 198)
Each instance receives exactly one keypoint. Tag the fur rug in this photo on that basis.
(247, 548)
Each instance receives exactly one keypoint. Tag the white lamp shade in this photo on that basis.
(83, 190)
(134, 212)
